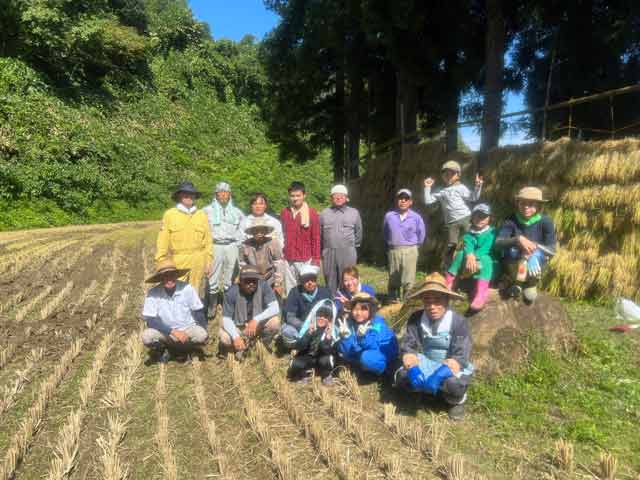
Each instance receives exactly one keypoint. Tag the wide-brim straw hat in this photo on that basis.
(434, 282)
(253, 229)
(362, 297)
(166, 266)
(531, 193)
(186, 187)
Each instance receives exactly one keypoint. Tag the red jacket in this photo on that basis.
(301, 244)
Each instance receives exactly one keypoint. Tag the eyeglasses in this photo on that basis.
(403, 199)
(249, 281)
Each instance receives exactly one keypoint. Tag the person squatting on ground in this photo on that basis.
(453, 198)
(185, 238)
(314, 348)
(224, 221)
(366, 342)
(250, 311)
(301, 227)
(477, 257)
(351, 285)
(262, 251)
(404, 233)
(341, 235)
(527, 238)
(300, 302)
(258, 206)
(173, 313)
(436, 348)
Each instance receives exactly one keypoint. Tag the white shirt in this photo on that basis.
(176, 312)
(184, 209)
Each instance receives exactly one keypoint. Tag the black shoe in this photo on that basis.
(456, 412)
(165, 356)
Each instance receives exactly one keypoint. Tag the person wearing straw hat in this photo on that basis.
(173, 312)
(454, 199)
(526, 238)
(185, 238)
(341, 235)
(366, 341)
(224, 222)
(263, 252)
(250, 311)
(300, 302)
(436, 347)
(404, 233)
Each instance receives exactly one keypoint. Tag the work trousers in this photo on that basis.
(153, 338)
(225, 263)
(402, 270)
(334, 261)
(453, 391)
(302, 364)
(267, 328)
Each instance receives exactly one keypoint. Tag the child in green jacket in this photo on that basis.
(477, 255)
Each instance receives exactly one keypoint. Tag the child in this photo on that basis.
(453, 200)
(477, 255)
(365, 339)
(264, 253)
(526, 239)
(315, 346)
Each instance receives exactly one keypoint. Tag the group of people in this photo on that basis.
(264, 271)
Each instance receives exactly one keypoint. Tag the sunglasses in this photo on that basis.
(249, 281)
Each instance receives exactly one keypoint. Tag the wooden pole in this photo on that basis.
(613, 122)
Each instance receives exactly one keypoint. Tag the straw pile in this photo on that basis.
(594, 188)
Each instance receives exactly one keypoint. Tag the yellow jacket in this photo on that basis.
(182, 233)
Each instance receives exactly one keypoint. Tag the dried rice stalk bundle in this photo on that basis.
(351, 384)
(563, 456)
(22, 439)
(120, 387)
(453, 468)
(624, 198)
(9, 393)
(162, 435)
(89, 382)
(56, 301)
(438, 430)
(612, 162)
(22, 312)
(608, 466)
(86, 293)
(66, 449)
(7, 354)
(122, 306)
(14, 300)
(111, 465)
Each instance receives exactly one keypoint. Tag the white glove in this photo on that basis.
(363, 328)
(343, 328)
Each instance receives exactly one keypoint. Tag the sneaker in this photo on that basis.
(239, 355)
(165, 356)
(514, 291)
(456, 412)
(328, 381)
(530, 294)
(304, 381)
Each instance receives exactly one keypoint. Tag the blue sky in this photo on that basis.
(234, 19)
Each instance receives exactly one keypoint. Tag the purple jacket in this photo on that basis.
(407, 232)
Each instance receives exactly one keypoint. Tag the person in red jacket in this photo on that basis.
(301, 229)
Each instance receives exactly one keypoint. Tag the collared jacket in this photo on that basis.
(341, 227)
(408, 232)
(453, 200)
(379, 337)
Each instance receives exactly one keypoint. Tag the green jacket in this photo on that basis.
(481, 245)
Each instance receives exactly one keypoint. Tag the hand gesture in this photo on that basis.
(251, 328)
(479, 180)
(238, 344)
(472, 264)
(453, 364)
(343, 328)
(527, 245)
(328, 331)
(428, 182)
(363, 328)
(341, 298)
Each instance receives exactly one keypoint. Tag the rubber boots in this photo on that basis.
(449, 279)
(482, 292)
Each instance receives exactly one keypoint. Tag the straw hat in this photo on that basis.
(258, 225)
(361, 297)
(452, 165)
(434, 282)
(166, 266)
(531, 193)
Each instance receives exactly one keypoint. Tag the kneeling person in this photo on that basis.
(315, 347)
(436, 348)
(366, 341)
(250, 310)
(173, 312)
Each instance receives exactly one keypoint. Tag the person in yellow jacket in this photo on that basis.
(185, 237)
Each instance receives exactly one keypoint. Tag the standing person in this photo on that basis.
(224, 221)
(250, 311)
(404, 233)
(301, 227)
(453, 198)
(184, 237)
(341, 230)
(173, 313)
(436, 348)
(259, 204)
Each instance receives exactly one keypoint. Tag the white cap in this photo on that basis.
(404, 191)
(223, 187)
(339, 189)
(308, 270)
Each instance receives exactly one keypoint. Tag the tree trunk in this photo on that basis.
(406, 121)
(339, 129)
(355, 108)
(494, 71)
(452, 106)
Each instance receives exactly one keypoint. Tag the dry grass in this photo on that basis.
(12, 301)
(50, 307)
(24, 311)
(165, 449)
(454, 468)
(111, 465)
(86, 293)
(7, 354)
(563, 456)
(607, 467)
(120, 387)
(21, 380)
(33, 418)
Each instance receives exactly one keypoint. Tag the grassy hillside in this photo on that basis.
(106, 139)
